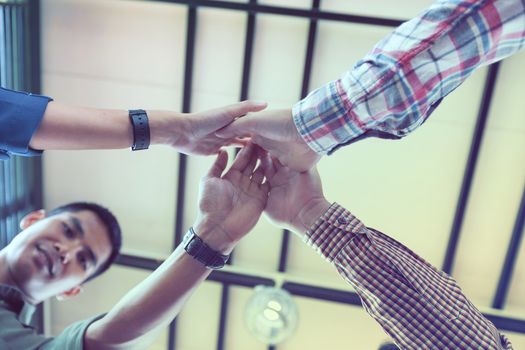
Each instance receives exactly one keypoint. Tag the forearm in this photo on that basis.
(395, 88)
(150, 306)
(229, 207)
(71, 127)
(398, 288)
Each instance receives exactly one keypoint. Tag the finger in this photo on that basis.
(240, 142)
(243, 158)
(262, 154)
(267, 144)
(219, 165)
(248, 170)
(236, 143)
(265, 187)
(269, 168)
(238, 128)
(258, 175)
(258, 153)
(242, 108)
(220, 117)
(277, 163)
(277, 125)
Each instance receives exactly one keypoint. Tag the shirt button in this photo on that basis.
(4, 155)
(342, 220)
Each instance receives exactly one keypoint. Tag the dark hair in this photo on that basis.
(110, 222)
(388, 346)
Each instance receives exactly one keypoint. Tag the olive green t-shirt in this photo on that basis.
(17, 334)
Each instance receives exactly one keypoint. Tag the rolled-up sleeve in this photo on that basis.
(399, 83)
(20, 116)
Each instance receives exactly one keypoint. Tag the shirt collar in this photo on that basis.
(13, 300)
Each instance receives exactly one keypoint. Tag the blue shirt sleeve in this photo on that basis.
(20, 116)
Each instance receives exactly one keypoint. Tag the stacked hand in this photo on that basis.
(194, 133)
(274, 131)
(290, 194)
(296, 198)
(231, 204)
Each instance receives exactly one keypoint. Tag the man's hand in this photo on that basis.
(194, 133)
(274, 131)
(296, 199)
(231, 204)
(73, 127)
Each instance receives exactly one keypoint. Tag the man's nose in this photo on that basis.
(65, 251)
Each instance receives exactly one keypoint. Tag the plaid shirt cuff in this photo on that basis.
(333, 231)
(318, 118)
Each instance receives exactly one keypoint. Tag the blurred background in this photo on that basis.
(453, 191)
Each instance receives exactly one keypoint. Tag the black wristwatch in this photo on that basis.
(140, 123)
(201, 252)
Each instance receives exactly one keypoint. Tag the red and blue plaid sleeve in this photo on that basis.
(394, 88)
(419, 306)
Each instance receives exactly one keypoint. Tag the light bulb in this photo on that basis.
(271, 315)
(273, 304)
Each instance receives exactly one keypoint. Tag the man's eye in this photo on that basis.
(83, 262)
(68, 231)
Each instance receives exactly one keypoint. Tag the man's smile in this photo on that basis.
(50, 259)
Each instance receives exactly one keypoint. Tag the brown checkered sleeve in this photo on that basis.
(419, 306)
(333, 230)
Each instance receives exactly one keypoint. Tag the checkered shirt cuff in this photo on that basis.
(333, 231)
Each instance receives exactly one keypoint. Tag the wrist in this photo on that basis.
(309, 214)
(166, 127)
(296, 135)
(214, 236)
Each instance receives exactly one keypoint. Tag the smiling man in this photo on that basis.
(54, 255)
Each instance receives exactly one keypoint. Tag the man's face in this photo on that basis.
(55, 254)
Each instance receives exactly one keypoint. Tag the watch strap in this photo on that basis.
(141, 134)
(201, 252)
